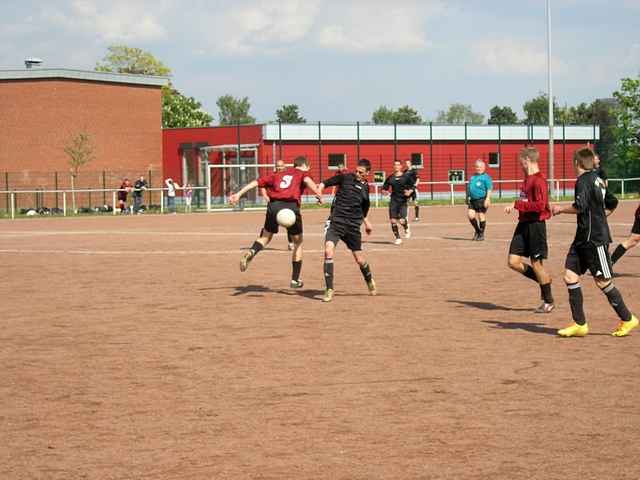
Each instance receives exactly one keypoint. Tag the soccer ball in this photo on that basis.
(286, 217)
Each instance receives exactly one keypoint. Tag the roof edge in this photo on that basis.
(86, 75)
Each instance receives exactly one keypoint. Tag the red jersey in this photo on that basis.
(287, 185)
(534, 199)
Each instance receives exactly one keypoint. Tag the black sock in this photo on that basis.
(483, 225)
(530, 273)
(295, 271)
(617, 253)
(394, 228)
(545, 290)
(328, 272)
(417, 210)
(617, 302)
(256, 247)
(366, 272)
(474, 224)
(404, 223)
(575, 300)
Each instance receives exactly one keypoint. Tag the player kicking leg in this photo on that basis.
(530, 236)
(349, 212)
(629, 243)
(590, 247)
(284, 189)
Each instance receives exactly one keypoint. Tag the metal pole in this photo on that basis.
(465, 151)
(500, 161)
(161, 200)
(6, 188)
(113, 200)
(395, 141)
(13, 205)
(564, 159)
(279, 140)
(358, 141)
(55, 179)
(431, 158)
(320, 149)
(64, 204)
(104, 187)
(551, 168)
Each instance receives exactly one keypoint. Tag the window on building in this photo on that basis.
(416, 160)
(494, 159)
(337, 161)
(456, 176)
(378, 177)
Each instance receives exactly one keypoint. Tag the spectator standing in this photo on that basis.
(138, 190)
(171, 194)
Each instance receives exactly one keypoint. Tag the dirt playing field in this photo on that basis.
(133, 348)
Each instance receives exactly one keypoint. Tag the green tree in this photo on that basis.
(536, 110)
(383, 116)
(234, 110)
(502, 116)
(289, 114)
(79, 149)
(404, 115)
(123, 59)
(180, 111)
(627, 129)
(458, 114)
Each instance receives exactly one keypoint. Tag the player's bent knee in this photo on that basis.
(571, 277)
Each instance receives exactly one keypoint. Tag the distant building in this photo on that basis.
(41, 109)
(443, 154)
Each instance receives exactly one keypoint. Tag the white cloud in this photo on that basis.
(511, 56)
(372, 27)
(110, 22)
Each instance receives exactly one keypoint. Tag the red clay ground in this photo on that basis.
(134, 348)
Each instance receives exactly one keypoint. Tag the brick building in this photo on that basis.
(42, 109)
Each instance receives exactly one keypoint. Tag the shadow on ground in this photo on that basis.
(489, 306)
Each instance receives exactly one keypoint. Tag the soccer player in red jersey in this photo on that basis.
(530, 236)
(284, 189)
(280, 166)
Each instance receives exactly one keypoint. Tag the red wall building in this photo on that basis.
(443, 153)
(42, 109)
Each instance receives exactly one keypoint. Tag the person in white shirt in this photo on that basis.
(171, 194)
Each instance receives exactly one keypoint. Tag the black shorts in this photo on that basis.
(636, 226)
(351, 236)
(589, 257)
(477, 204)
(530, 240)
(271, 223)
(397, 209)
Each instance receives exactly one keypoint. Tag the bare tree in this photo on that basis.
(80, 152)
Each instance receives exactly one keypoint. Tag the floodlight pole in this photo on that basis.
(550, 165)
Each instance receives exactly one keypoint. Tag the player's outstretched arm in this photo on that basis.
(235, 197)
(487, 201)
(311, 185)
(560, 209)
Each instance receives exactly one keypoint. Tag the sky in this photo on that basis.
(339, 60)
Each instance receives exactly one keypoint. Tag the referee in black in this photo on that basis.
(590, 247)
(349, 211)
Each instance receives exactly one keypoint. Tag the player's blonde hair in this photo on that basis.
(583, 158)
(530, 154)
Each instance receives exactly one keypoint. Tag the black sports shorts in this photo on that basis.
(397, 209)
(271, 223)
(477, 204)
(636, 224)
(530, 240)
(596, 259)
(350, 235)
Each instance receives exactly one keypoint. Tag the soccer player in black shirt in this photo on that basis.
(590, 248)
(413, 198)
(629, 243)
(350, 209)
(597, 167)
(400, 185)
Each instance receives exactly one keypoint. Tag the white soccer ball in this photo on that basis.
(286, 217)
